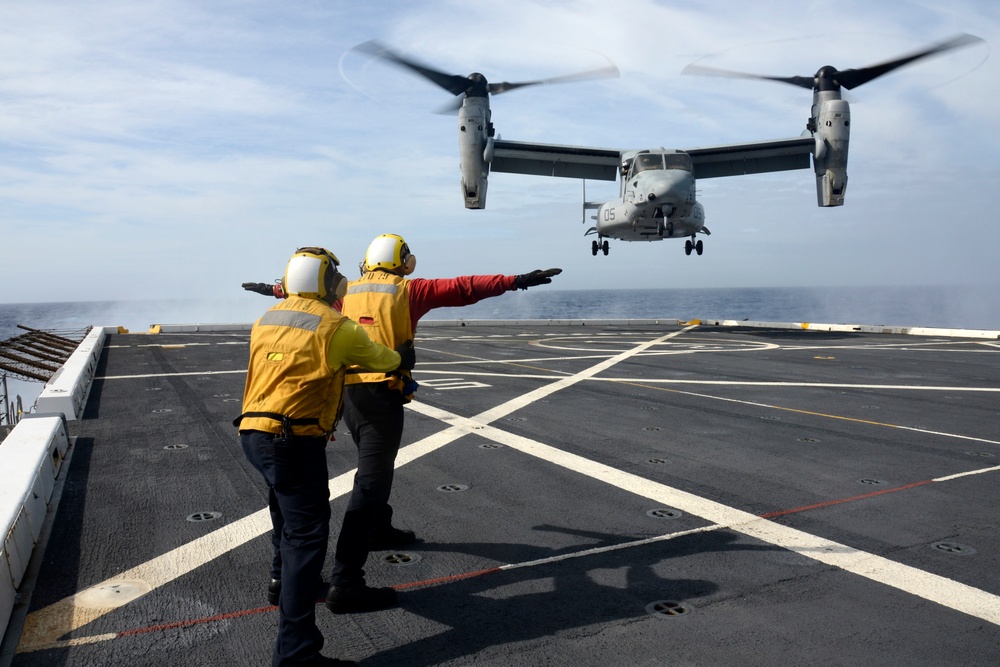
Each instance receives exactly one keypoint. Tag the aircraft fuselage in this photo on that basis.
(657, 201)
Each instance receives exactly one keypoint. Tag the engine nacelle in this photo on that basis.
(832, 129)
(475, 193)
(474, 144)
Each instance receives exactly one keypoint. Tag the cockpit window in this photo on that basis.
(678, 161)
(647, 161)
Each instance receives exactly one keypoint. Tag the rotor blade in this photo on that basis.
(453, 83)
(451, 108)
(702, 70)
(849, 78)
(602, 73)
(852, 78)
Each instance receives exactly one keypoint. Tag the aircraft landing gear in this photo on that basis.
(697, 246)
(605, 248)
(595, 247)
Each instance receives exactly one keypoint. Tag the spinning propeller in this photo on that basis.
(830, 78)
(475, 84)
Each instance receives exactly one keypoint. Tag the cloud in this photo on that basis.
(152, 145)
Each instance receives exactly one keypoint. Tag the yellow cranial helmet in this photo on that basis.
(312, 274)
(389, 252)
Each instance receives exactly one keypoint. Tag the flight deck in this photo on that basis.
(584, 493)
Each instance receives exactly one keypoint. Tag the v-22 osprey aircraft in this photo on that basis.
(657, 195)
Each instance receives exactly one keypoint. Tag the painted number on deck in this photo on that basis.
(442, 384)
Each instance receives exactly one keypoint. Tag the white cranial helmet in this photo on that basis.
(389, 252)
(312, 273)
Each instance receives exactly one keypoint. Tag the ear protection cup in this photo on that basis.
(409, 264)
(339, 287)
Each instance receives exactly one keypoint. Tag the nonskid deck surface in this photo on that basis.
(596, 495)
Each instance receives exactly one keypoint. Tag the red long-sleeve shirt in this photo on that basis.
(426, 294)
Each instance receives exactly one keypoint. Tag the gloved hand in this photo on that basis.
(267, 289)
(260, 288)
(407, 356)
(536, 277)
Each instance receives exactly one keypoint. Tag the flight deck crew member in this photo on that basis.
(387, 305)
(299, 352)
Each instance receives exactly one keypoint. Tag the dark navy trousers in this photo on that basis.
(299, 500)
(374, 415)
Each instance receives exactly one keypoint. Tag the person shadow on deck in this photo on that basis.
(487, 612)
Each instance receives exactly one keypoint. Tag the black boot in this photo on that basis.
(274, 591)
(323, 661)
(359, 599)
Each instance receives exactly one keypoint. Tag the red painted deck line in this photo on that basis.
(476, 573)
(195, 621)
(828, 503)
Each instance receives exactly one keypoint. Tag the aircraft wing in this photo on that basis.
(517, 157)
(602, 164)
(753, 158)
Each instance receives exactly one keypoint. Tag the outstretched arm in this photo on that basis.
(428, 294)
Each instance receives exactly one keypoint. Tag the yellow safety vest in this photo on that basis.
(289, 376)
(380, 303)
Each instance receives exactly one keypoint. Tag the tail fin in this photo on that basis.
(587, 204)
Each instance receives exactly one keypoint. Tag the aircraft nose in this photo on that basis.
(670, 188)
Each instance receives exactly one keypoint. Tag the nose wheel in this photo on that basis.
(690, 245)
(595, 247)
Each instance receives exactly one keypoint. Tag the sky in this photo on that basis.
(175, 149)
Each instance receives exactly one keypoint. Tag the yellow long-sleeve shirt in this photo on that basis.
(350, 345)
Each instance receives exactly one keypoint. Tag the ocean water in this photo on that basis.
(957, 307)
(946, 307)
